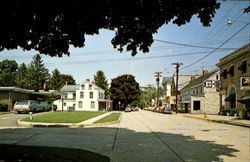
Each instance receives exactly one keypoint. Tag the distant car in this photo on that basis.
(128, 109)
(27, 106)
(167, 110)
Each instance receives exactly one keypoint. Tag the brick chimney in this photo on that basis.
(205, 72)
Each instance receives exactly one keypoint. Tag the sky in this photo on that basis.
(99, 54)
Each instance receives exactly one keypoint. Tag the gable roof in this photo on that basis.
(68, 88)
(199, 80)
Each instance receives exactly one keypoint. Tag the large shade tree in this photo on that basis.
(8, 69)
(124, 89)
(50, 26)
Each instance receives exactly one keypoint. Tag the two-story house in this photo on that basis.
(83, 97)
(201, 95)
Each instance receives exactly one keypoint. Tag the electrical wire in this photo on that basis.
(216, 48)
(189, 45)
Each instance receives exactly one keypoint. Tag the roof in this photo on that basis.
(68, 88)
(183, 80)
(40, 92)
(245, 50)
(199, 80)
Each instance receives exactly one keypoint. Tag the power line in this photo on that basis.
(130, 59)
(189, 45)
(216, 48)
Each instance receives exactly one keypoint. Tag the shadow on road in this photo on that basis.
(103, 142)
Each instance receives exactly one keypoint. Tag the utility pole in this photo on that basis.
(157, 75)
(176, 85)
(150, 97)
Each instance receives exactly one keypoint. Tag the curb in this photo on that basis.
(66, 125)
(218, 121)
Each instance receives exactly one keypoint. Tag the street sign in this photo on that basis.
(245, 83)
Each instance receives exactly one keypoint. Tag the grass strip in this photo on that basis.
(110, 118)
(64, 117)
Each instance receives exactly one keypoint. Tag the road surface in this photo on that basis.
(145, 136)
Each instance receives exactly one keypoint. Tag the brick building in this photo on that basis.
(234, 67)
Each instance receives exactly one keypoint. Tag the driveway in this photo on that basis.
(144, 136)
(10, 120)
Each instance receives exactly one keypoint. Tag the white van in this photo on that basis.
(27, 106)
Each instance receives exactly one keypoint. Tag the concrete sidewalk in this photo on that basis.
(221, 119)
(86, 123)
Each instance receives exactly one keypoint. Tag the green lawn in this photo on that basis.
(65, 117)
(110, 118)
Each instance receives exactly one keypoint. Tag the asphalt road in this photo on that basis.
(10, 120)
(144, 136)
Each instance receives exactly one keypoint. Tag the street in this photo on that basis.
(144, 136)
(10, 120)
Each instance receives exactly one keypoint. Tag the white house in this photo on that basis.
(83, 97)
(202, 94)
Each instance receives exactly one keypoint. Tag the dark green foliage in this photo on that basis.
(38, 73)
(68, 78)
(50, 26)
(58, 80)
(22, 76)
(125, 89)
(7, 72)
(101, 81)
(3, 106)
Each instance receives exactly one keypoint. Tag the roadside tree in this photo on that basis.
(8, 69)
(124, 89)
(50, 27)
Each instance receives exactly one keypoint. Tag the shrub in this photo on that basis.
(3, 106)
(231, 112)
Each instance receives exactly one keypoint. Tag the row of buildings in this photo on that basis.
(227, 87)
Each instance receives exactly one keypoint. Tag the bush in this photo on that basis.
(3, 106)
(231, 112)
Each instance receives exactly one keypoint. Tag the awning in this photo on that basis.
(244, 99)
(231, 97)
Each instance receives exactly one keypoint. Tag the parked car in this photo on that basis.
(48, 106)
(28, 106)
(128, 109)
(167, 110)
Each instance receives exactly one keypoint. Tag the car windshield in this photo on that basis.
(22, 102)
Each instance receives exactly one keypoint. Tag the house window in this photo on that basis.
(70, 95)
(82, 87)
(231, 71)
(244, 67)
(92, 104)
(90, 87)
(217, 77)
(81, 94)
(74, 95)
(197, 105)
(80, 104)
(64, 104)
(90, 94)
